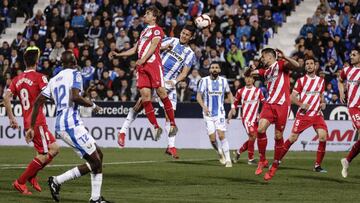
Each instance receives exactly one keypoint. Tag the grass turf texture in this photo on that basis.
(196, 177)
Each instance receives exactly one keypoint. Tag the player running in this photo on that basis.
(150, 72)
(308, 94)
(65, 89)
(249, 97)
(27, 86)
(177, 60)
(351, 75)
(210, 96)
(277, 105)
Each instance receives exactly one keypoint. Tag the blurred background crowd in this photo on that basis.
(239, 29)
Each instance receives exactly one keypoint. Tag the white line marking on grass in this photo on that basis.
(22, 166)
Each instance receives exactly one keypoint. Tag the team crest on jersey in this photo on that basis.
(157, 32)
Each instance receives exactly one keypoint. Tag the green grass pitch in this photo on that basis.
(148, 175)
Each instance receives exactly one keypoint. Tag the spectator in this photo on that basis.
(334, 99)
(331, 16)
(334, 29)
(183, 92)
(248, 6)
(182, 17)
(308, 27)
(55, 54)
(236, 60)
(94, 32)
(328, 93)
(124, 89)
(316, 17)
(195, 8)
(256, 35)
(193, 79)
(243, 29)
(17, 41)
(353, 31)
(91, 8)
(330, 70)
(46, 69)
(222, 8)
(110, 96)
(173, 30)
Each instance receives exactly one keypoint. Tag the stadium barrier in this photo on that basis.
(192, 133)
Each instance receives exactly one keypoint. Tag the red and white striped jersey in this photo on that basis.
(249, 99)
(146, 36)
(352, 76)
(278, 83)
(310, 91)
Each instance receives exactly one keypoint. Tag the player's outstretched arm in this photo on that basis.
(7, 104)
(153, 45)
(129, 52)
(181, 76)
(78, 99)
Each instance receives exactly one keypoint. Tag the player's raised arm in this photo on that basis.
(154, 43)
(290, 63)
(7, 104)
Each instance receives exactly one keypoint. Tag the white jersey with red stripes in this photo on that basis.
(146, 36)
(310, 90)
(278, 83)
(352, 76)
(250, 98)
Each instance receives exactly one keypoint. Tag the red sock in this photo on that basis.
(286, 148)
(169, 110)
(251, 149)
(244, 147)
(49, 159)
(279, 145)
(34, 166)
(320, 153)
(149, 111)
(354, 151)
(262, 142)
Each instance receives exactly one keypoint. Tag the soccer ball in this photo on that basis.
(202, 21)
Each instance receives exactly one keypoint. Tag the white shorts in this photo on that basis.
(79, 139)
(215, 123)
(171, 94)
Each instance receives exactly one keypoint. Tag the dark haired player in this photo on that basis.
(277, 105)
(351, 75)
(308, 94)
(65, 89)
(28, 86)
(150, 70)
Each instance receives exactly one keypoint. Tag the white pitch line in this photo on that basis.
(22, 166)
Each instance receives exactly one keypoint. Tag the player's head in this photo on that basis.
(68, 59)
(249, 80)
(31, 56)
(268, 56)
(215, 69)
(152, 15)
(355, 56)
(186, 34)
(310, 66)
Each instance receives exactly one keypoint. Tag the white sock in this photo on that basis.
(171, 140)
(68, 175)
(219, 144)
(96, 181)
(225, 148)
(128, 121)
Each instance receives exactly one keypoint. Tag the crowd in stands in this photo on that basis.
(239, 29)
(329, 35)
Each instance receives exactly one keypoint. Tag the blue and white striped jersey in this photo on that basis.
(175, 59)
(213, 94)
(59, 89)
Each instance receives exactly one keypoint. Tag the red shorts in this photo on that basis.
(304, 122)
(355, 117)
(276, 114)
(42, 139)
(150, 75)
(250, 127)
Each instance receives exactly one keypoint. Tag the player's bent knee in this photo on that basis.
(293, 138)
(278, 135)
(54, 149)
